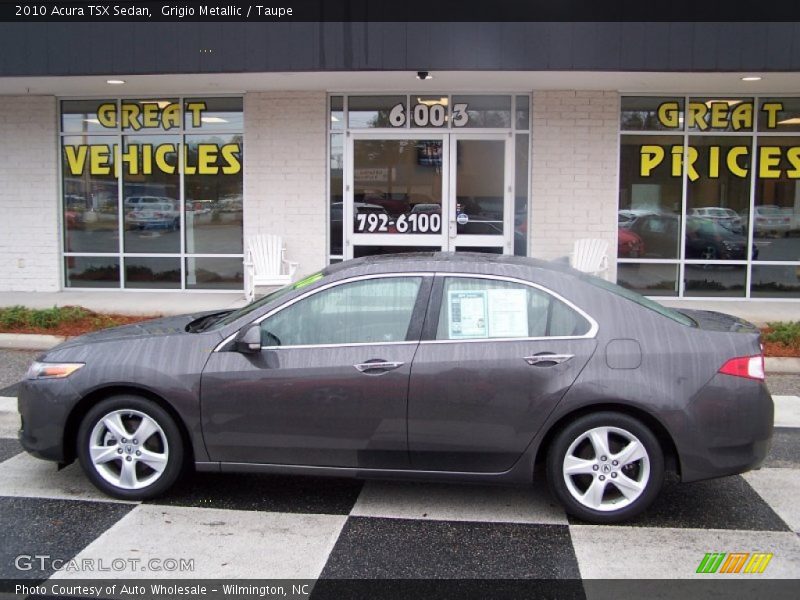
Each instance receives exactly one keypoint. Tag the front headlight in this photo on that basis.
(46, 370)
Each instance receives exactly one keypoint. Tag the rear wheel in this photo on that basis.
(130, 448)
(605, 467)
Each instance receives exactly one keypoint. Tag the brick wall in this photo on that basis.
(285, 172)
(29, 239)
(575, 158)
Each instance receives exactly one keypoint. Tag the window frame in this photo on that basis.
(118, 134)
(437, 296)
(754, 135)
(414, 327)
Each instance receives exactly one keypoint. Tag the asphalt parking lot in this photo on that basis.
(257, 526)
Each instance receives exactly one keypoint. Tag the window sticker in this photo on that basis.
(508, 313)
(468, 314)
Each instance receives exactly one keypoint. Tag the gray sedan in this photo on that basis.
(459, 367)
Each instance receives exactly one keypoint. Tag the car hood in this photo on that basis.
(153, 328)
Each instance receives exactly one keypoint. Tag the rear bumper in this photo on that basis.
(729, 429)
(44, 406)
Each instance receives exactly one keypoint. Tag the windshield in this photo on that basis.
(640, 300)
(256, 304)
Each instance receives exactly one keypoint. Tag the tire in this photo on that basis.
(136, 469)
(574, 447)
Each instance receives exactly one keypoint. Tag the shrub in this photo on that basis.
(784, 332)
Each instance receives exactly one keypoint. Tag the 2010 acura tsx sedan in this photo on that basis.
(460, 367)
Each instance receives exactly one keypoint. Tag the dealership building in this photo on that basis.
(144, 156)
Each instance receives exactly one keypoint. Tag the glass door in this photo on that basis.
(479, 205)
(394, 193)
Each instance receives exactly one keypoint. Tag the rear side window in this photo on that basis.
(474, 308)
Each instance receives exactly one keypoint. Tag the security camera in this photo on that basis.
(423, 75)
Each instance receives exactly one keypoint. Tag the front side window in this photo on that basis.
(475, 308)
(359, 312)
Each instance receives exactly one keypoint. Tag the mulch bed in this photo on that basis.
(93, 322)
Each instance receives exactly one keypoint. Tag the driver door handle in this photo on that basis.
(378, 365)
(547, 360)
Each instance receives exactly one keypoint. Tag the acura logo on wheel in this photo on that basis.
(606, 469)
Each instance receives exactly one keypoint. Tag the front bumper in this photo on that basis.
(729, 427)
(44, 407)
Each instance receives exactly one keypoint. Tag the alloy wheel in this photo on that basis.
(606, 468)
(128, 449)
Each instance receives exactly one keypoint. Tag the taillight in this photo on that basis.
(750, 367)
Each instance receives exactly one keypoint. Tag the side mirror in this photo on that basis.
(248, 341)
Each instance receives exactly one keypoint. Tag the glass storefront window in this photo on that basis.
(739, 191)
(397, 186)
(204, 273)
(648, 113)
(715, 280)
(775, 281)
(88, 116)
(717, 197)
(523, 112)
(483, 111)
(152, 273)
(719, 114)
(776, 215)
(153, 114)
(336, 183)
(90, 194)
(213, 185)
(163, 184)
(366, 112)
(649, 279)
(429, 111)
(213, 114)
(92, 271)
(428, 171)
(337, 113)
(779, 114)
(650, 194)
(151, 194)
(522, 156)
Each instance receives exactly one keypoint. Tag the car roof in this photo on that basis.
(476, 262)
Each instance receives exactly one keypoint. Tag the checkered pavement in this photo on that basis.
(260, 526)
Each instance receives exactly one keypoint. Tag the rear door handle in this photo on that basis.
(379, 366)
(547, 360)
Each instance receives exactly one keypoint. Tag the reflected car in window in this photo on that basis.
(434, 366)
(708, 240)
(727, 217)
(629, 245)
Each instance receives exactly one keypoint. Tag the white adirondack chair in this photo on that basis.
(590, 256)
(265, 263)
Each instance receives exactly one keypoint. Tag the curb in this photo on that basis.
(32, 341)
(784, 365)
(29, 341)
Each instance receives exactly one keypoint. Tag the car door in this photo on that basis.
(330, 384)
(496, 357)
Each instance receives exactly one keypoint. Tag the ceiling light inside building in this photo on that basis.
(792, 121)
(433, 101)
(213, 120)
(115, 81)
(751, 78)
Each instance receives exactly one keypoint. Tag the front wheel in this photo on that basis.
(605, 467)
(130, 448)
